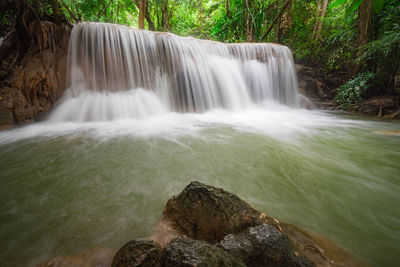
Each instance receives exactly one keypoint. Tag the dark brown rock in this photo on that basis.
(6, 116)
(208, 213)
(264, 245)
(212, 214)
(183, 251)
(138, 252)
(35, 84)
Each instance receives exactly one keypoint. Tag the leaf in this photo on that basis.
(336, 3)
(353, 7)
(378, 5)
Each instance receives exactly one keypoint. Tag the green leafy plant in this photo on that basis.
(352, 91)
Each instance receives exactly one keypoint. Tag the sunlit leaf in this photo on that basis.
(336, 3)
(353, 7)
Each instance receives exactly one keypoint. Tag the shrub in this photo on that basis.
(352, 91)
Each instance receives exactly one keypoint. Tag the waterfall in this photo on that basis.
(116, 72)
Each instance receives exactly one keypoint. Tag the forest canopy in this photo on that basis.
(354, 37)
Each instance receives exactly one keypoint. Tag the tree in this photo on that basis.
(277, 17)
(142, 10)
(320, 20)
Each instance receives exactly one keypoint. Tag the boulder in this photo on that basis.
(184, 251)
(6, 116)
(208, 213)
(138, 252)
(264, 245)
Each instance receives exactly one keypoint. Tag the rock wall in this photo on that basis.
(33, 86)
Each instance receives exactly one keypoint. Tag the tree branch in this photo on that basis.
(70, 12)
(276, 19)
(104, 10)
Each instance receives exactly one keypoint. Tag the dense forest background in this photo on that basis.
(356, 40)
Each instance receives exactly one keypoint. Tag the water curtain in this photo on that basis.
(119, 72)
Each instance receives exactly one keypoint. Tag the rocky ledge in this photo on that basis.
(32, 85)
(207, 226)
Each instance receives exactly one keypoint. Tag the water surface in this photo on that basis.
(71, 187)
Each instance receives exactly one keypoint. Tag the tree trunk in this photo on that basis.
(164, 15)
(228, 8)
(316, 20)
(117, 11)
(146, 14)
(277, 31)
(364, 30)
(364, 23)
(142, 8)
(321, 19)
(246, 18)
(148, 19)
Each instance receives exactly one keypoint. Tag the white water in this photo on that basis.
(116, 72)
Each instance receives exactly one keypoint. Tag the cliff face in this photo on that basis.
(30, 88)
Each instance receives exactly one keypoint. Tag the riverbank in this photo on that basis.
(321, 91)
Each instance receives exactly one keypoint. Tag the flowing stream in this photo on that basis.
(146, 113)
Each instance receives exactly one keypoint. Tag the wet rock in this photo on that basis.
(208, 213)
(138, 252)
(6, 116)
(183, 251)
(382, 106)
(264, 245)
(379, 105)
(309, 85)
(38, 81)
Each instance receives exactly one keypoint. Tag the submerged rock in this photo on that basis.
(183, 251)
(208, 213)
(264, 245)
(138, 252)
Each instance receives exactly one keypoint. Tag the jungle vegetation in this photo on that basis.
(360, 39)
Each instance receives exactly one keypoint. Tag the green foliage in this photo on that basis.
(382, 48)
(352, 91)
(116, 11)
(353, 5)
(334, 48)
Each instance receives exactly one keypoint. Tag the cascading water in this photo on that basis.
(116, 72)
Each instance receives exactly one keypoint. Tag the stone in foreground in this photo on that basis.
(264, 245)
(138, 252)
(208, 213)
(183, 251)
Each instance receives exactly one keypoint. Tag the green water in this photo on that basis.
(67, 191)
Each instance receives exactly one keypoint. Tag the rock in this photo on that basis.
(38, 80)
(377, 105)
(183, 251)
(264, 245)
(6, 116)
(138, 252)
(209, 213)
(382, 106)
